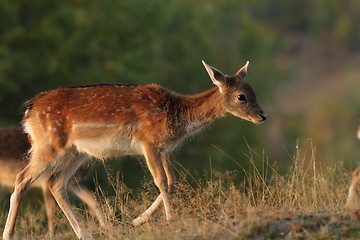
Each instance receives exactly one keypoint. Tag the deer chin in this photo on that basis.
(250, 119)
(256, 120)
(247, 118)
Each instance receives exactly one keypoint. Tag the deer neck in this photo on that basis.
(203, 108)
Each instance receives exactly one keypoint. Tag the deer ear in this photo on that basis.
(216, 76)
(243, 71)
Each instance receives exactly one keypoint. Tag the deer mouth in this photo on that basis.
(261, 117)
(257, 121)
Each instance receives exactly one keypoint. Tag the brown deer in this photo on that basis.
(14, 146)
(352, 201)
(68, 124)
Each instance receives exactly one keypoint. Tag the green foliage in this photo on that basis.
(332, 124)
(50, 44)
(327, 21)
(46, 44)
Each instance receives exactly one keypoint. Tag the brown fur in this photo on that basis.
(67, 124)
(14, 145)
(142, 109)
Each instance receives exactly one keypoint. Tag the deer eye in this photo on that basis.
(242, 98)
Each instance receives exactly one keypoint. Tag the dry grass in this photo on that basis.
(306, 203)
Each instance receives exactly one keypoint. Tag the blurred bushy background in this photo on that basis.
(304, 65)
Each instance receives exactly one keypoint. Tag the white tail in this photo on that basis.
(14, 146)
(68, 124)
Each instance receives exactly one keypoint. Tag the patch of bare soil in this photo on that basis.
(312, 226)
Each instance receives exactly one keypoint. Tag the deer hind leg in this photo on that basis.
(85, 194)
(36, 167)
(50, 207)
(70, 162)
(164, 178)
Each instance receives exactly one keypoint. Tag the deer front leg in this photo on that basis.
(145, 216)
(171, 179)
(159, 171)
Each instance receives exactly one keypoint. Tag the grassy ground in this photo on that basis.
(306, 203)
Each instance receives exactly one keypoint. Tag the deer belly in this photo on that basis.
(108, 147)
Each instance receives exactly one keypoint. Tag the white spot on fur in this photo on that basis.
(28, 129)
(58, 123)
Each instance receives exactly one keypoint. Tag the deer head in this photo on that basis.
(238, 96)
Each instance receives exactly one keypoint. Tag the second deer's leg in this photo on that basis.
(163, 175)
(88, 197)
(50, 208)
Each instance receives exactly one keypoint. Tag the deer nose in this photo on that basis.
(262, 115)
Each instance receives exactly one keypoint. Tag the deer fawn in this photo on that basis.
(14, 146)
(68, 124)
(352, 201)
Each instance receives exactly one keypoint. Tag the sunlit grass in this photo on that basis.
(305, 203)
